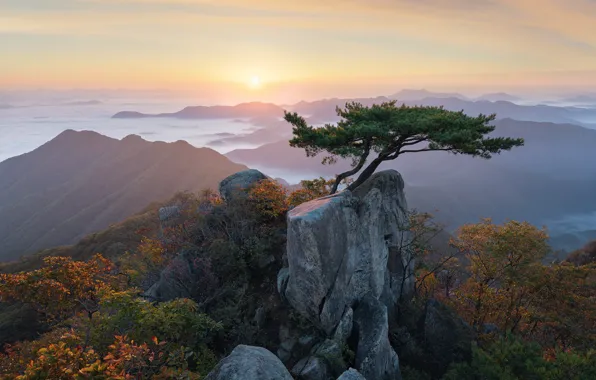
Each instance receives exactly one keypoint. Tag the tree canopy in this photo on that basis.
(390, 130)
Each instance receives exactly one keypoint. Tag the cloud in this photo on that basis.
(332, 38)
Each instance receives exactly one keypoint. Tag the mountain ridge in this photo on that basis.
(80, 182)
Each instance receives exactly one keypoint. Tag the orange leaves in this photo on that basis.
(60, 287)
(152, 250)
(301, 196)
(503, 264)
(509, 287)
(125, 360)
(269, 198)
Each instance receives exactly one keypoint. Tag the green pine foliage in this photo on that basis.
(389, 130)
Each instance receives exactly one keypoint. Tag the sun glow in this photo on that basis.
(255, 82)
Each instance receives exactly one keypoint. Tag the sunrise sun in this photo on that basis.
(255, 82)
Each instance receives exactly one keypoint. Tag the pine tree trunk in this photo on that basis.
(369, 171)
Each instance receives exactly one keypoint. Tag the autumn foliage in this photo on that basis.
(542, 316)
(61, 286)
(498, 278)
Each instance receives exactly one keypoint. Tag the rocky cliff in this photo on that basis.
(347, 246)
(348, 264)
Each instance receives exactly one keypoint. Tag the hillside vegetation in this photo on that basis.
(82, 182)
(220, 273)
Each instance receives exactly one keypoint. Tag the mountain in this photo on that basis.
(499, 96)
(243, 110)
(81, 182)
(409, 94)
(581, 99)
(84, 103)
(324, 110)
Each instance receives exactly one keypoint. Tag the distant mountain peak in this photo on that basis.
(81, 182)
(242, 110)
(498, 97)
(414, 94)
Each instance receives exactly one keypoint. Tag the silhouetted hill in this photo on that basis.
(581, 99)
(244, 110)
(324, 110)
(499, 96)
(409, 94)
(81, 182)
(83, 103)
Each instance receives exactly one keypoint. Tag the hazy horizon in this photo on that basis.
(232, 50)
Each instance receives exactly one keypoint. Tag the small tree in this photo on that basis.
(390, 131)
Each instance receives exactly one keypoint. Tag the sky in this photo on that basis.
(277, 46)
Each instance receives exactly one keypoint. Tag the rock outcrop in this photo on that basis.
(168, 212)
(237, 184)
(375, 358)
(250, 363)
(344, 247)
(175, 280)
(182, 274)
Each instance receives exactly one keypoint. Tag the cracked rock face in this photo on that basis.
(375, 358)
(344, 247)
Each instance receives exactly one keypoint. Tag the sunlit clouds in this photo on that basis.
(190, 43)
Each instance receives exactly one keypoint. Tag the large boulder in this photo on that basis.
(375, 358)
(250, 363)
(184, 277)
(351, 374)
(169, 212)
(348, 245)
(237, 184)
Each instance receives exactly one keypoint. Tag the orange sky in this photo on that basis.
(182, 44)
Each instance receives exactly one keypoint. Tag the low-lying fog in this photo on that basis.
(25, 125)
(24, 128)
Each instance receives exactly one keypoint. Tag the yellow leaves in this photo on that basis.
(493, 249)
(269, 198)
(152, 250)
(60, 286)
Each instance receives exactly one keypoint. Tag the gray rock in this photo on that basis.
(284, 355)
(250, 363)
(345, 246)
(174, 281)
(344, 328)
(351, 374)
(375, 358)
(311, 368)
(282, 281)
(237, 184)
(331, 351)
(287, 341)
(169, 212)
(306, 340)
